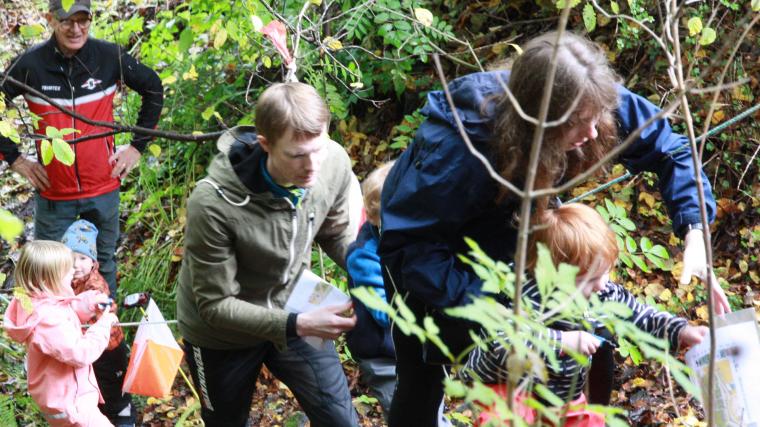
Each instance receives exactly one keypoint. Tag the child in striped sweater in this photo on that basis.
(576, 234)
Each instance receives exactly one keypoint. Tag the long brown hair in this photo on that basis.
(582, 71)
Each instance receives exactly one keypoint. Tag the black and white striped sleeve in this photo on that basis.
(658, 323)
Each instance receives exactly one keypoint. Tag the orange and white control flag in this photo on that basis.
(155, 357)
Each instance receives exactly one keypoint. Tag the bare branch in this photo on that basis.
(463, 134)
(535, 151)
(114, 125)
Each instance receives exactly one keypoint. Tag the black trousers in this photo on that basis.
(109, 371)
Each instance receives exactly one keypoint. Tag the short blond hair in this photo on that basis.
(574, 234)
(42, 266)
(293, 106)
(372, 187)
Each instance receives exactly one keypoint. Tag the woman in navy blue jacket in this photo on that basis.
(438, 192)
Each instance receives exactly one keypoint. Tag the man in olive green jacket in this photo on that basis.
(250, 227)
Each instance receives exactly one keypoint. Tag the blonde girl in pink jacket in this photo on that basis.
(48, 320)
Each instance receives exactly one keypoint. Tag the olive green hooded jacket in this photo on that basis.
(245, 247)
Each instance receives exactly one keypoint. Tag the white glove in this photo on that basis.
(695, 264)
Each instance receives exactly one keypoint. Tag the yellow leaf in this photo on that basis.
(332, 43)
(647, 198)
(741, 93)
(665, 295)
(639, 382)
(718, 117)
(169, 80)
(191, 74)
(356, 85)
(316, 2)
(424, 16)
(702, 312)
(155, 150)
(654, 289)
(220, 38)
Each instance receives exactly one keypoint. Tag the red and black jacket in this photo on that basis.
(85, 83)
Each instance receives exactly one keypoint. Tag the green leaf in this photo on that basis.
(627, 224)
(7, 130)
(63, 151)
(614, 7)
(267, 61)
(626, 259)
(186, 39)
(646, 244)
(561, 4)
(155, 150)
(208, 112)
(47, 151)
(756, 5)
(66, 4)
(660, 251)
(630, 244)
(589, 17)
(31, 31)
(52, 132)
(10, 226)
(708, 36)
(639, 261)
(695, 26)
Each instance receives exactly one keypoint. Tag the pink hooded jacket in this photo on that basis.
(59, 356)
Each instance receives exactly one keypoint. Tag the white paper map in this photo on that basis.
(737, 369)
(310, 293)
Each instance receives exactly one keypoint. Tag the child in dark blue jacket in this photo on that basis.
(370, 341)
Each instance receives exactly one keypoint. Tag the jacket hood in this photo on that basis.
(475, 97)
(236, 168)
(20, 323)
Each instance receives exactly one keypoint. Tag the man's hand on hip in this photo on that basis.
(124, 160)
(325, 322)
(33, 171)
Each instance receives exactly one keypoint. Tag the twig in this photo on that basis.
(749, 163)
(114, 125)
(463, 133)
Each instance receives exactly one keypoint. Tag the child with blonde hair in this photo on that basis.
(48, 320)
(576, 234)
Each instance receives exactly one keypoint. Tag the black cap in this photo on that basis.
(56, 8)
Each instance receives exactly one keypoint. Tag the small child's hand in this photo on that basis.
(108, 318)
(692, 335)
(580, 342)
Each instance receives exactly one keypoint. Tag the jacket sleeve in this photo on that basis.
(339, 228)
(146, 82)
(666, 153)
(210, 252)
(8, 149)
(661, 324)
(363, 265)
(60, 338)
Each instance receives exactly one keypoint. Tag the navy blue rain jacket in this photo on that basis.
(437, 193)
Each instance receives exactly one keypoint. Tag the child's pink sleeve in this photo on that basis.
(61, 338)
(85, 304)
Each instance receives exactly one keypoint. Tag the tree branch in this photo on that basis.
(115, 125)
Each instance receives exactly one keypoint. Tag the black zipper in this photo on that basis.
(74, 124)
